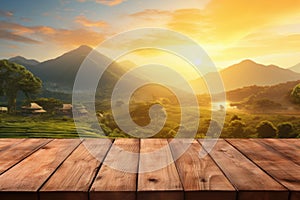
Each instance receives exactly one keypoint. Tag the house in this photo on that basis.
(33, 108)
(80, 110)
(66, 109)
(3, 110)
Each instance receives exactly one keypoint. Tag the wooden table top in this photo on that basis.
(243, 169)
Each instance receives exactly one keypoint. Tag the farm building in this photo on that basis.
(66, 109)
(33, 108)
(3, 110)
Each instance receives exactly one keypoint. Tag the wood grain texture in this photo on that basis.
(278, 166)
(250, 180)
(163, 183)
(15, 153)
(289, 151)
(28, 176)
(74, 177)
(201, 177)
(114, 184)
(7, 143)
(63, 169)
(292, 141)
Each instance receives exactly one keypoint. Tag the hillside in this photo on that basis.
(296, 68)
(278, 93)
(59, 74)
(28, 63)
(247, 73)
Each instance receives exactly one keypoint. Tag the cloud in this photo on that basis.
(228, 21)
(74, 38)
(25, 19)
(233, 19)
(260, 44)
(110, 2)
(89, 23)
(18, 38)
(149, 18)
(105, 2)
(44, 34)
(232, 30)
(150, 14)
(6, 13)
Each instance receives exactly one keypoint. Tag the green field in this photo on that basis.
(42, 126)
(52, 126)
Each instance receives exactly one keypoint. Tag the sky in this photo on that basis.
(229, 31)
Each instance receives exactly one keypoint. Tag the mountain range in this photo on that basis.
(25, 62)
(247, 73)
(59, 74)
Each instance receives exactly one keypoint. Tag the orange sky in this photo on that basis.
(230, 31)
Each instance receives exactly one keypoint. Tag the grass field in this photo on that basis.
(42, 126)
(53, 126)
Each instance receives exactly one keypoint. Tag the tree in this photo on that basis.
(266, 129)
(237, 128)
(295, 94)
(235, 117)
(15, 78)
(285, 130)
(49, 104)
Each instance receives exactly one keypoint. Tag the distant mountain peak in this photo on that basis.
(24, 61)
(18, 57)
(296, 68)
(248, 61)
(84, 48)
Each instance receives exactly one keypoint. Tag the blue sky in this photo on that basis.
(230, 31)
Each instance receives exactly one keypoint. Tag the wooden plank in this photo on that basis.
(292, 141)
(28, 176)
(18, 151)
(250, 180)
(73, 178)
(283, 170)
(201, 177)
(112, 183)
(289, 151)
(7, 143)
(164, 183)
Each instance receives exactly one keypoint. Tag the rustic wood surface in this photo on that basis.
(13, 154)
(162, 183)
(277, 165)
(201, 177)
(76, 174)
(63, 169)
(113, 184)
(251, 181)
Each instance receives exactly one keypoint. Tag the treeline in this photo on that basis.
(237, 128)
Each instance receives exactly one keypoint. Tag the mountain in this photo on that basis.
(24, 61)
(279, 93)
(59, 74)
(296, 68)
(276, 92)
(247, 73)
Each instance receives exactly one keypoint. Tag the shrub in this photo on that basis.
(249, 132)
(295, 95)
(235, 117)
(236, 128)
(266, 129)
(285, 130)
